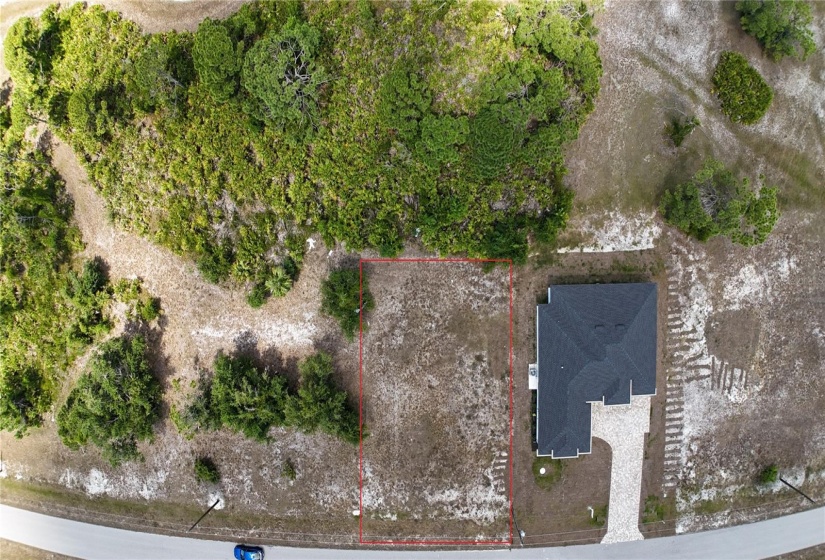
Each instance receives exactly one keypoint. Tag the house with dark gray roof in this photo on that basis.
(595, 342)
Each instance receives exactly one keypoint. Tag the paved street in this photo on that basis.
(82, 540)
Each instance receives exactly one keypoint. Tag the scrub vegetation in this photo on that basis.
(230, 144)
(744, 94)
(714, 202)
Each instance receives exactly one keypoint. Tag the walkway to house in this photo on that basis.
(623, 427)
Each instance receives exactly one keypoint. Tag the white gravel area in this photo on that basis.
(623, 427)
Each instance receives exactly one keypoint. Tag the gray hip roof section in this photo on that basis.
(596, 342)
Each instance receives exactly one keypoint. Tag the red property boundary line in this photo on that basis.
(508, 541)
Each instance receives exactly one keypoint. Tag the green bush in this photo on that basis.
(140, 305)
(744, 94)
(714, 202)
(279, 282)
(251, 400)
(341, 296)
(782, 27)
(206, 471)
(493, 140)
(216, 60)
(257, 295)
(680, 128)
(115, 402)
(769, 474)
(319, 405)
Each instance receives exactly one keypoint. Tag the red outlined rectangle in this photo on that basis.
(509, 540)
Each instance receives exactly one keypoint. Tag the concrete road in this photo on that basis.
(82, 540)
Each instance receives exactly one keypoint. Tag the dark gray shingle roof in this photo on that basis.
(595, 342)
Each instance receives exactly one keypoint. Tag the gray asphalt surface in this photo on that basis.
(83, 540)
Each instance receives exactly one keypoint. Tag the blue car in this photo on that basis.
(246, 552)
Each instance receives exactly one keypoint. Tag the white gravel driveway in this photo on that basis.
(623, 427)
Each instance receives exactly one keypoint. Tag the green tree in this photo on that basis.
(341, 298)
(115, 402)
(24, 397)
(782, 27)
(714, 202)
(319, 405)
(283, 78)
(744, 94)
(216, 60)
(247, 399)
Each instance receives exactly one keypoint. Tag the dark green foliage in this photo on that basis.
(319, 405)
(206, 471)
(257, 295)
(493, 140)
(680, 128)
(769, 474)
(282, 76)
(445, 123)
(48, 313)
(402, 101)
(23, 400)
(744, 94)
(115, 402)
(216, 262)
(251, 400)
(288, 470)
(247, 399)
(441, 137)
(715, 203)
(216, 60)
(341, 298)
(161, 73)
(782, 27)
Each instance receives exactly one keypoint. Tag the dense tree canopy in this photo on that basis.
(48, 312)
(782, 27)
(714, 202)
(744, 94)
(250, 400)
(115, 402)
(456, 139)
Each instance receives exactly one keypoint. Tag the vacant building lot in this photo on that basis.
(435, 397)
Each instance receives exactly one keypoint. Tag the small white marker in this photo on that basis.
(542, 470)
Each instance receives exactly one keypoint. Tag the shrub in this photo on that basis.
(493, 140)
(769, 474)
(782, 27)
(245, 398)
(140, 305)
(341, 295)
(288, 470)
(744, 94)
(715, 203)
(115, 402)
(319, 405)
(206, 471)
(257, 295)
(402, 101)
(680, 128)
(279, 282)
(216, 60)
(599, 516)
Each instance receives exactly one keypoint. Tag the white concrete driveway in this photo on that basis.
(623, 427)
